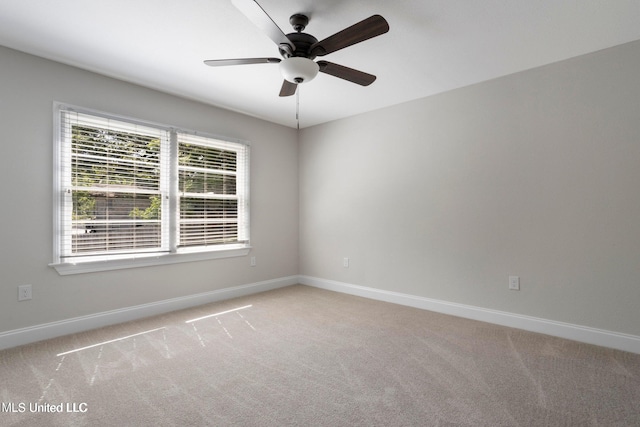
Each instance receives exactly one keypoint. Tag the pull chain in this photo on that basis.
(298, 107)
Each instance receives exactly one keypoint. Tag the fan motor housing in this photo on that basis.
(303, 43)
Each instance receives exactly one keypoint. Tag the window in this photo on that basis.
(130, 193)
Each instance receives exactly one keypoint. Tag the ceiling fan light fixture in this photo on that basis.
(298, 69)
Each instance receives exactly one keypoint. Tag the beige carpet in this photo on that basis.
(304, 356)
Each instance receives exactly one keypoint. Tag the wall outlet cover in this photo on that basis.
(24, 292)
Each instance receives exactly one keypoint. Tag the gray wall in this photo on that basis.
(28, 88)
(535, 174)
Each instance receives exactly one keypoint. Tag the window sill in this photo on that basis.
(147, 260)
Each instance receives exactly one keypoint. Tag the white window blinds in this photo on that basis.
(127, 188)
(212, 188)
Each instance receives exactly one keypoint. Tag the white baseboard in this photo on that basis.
(32, 334)
(570, 331)
(584, 334)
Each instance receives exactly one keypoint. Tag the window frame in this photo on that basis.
(144, 258)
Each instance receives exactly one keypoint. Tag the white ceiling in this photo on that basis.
(433, 46)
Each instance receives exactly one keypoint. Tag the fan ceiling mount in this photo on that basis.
(298, 49)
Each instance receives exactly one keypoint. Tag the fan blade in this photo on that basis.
(241, 61)
(364, 30)
(346, 73)
(256, 14)
(288, 88)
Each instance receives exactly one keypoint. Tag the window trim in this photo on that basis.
(148, 260)
(142, 259)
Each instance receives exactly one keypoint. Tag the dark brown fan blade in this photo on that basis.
(371, 27)
(288, 88)
(346, 73)
(240, 61)
(256, 14)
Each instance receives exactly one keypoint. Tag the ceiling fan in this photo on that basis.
(299, 49)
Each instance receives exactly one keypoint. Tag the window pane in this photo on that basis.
(104, 157)
(207, 180)
(114, 186)
(125, 237)
(108, 222)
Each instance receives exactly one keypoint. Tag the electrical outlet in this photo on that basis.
(345, 262)
(514, 283)
(24, 292)
(253, 261)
